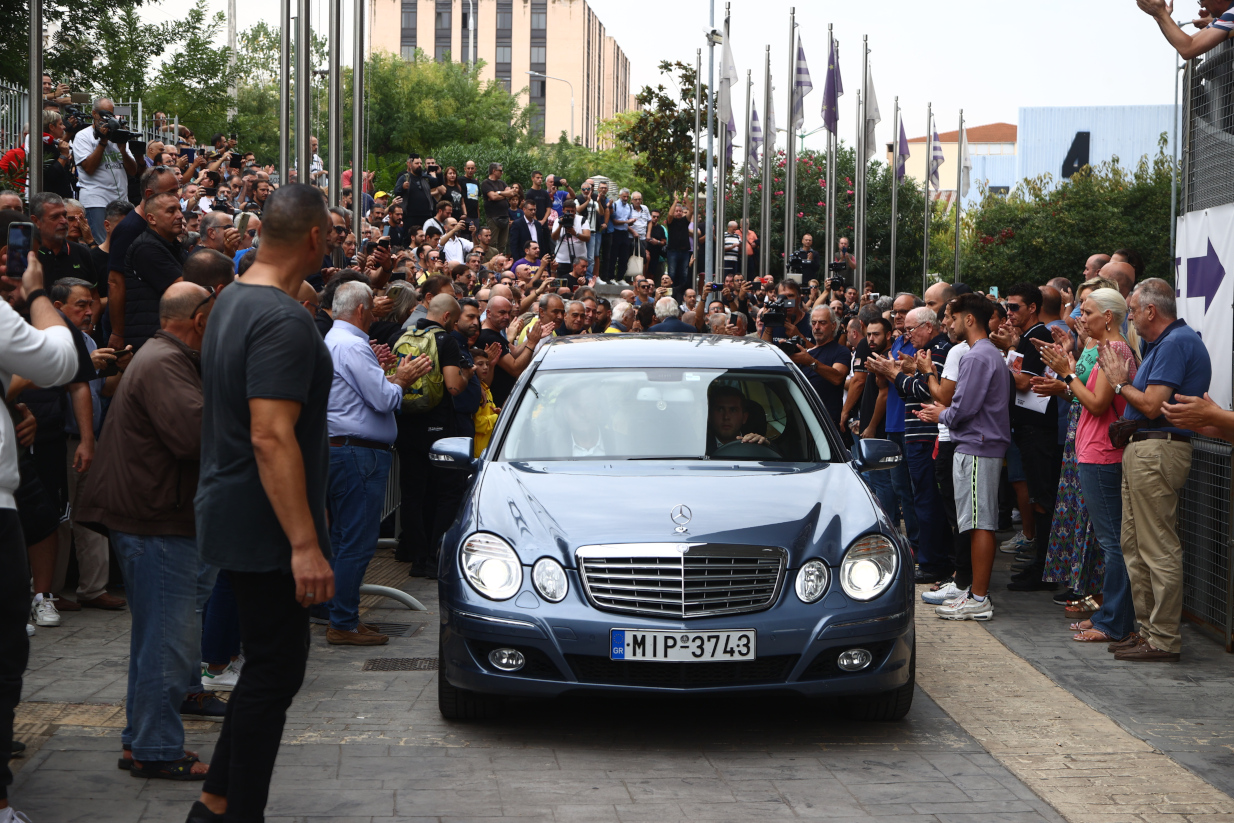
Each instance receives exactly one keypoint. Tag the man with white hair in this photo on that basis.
(826, 364)
(360, 419)
(668, 321)
(103, 166)
(622, 320)
(620, 223)
(732, 249)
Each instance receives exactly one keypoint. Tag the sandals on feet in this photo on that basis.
(126, 759)
(181, 769)
(1083, 608)
(1080, 627)
(1092, 636)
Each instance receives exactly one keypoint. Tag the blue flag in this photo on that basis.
(833, 90)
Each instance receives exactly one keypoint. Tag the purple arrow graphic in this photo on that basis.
(1204, 276)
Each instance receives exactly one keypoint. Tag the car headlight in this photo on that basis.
(550, 579)
(491, 566)
(812, 580)
(869, 567)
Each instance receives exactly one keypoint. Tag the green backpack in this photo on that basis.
(426, 392)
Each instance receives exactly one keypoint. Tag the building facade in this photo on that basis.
(559, 38)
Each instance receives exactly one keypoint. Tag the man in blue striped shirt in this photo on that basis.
(1214, 25)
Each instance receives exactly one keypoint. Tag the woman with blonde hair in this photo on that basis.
(1099, 462)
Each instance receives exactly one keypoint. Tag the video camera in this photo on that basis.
(789, 345)
(113, 130)
(797, 261)
(776, 311)
(75, 119)
(837, 266)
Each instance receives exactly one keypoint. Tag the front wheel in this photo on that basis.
(460, 704)
(892, 705)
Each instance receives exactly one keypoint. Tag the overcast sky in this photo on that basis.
(987, 58)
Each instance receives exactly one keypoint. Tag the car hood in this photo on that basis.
(552, 508)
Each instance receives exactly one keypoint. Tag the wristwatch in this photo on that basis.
(1067, 380)
(1119, 388)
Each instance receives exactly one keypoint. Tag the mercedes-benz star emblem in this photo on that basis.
(681, 515)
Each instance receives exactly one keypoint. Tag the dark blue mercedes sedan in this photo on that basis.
(664, 514)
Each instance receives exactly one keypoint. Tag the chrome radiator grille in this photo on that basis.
(681, 580)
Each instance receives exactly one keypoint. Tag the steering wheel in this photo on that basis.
(746, 451)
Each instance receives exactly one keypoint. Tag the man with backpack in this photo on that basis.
(429, 499)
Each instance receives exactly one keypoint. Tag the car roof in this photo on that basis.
(592, 351)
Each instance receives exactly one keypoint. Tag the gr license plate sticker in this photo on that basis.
(683, 647)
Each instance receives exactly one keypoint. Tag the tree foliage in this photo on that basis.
(128, 48)
(661, 133)
(74, 44)
(1043, 230)
(194, 81)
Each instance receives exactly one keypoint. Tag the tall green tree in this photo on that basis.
(661, 135)
(74, 41)
(194, 81)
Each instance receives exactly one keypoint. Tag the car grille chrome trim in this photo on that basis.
(681, 580)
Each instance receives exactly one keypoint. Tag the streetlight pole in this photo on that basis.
(335, 80)
(709, 248)
(34, 155)
(568, 83)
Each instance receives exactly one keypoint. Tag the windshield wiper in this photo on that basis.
(674, 457)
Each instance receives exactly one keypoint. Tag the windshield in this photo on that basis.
(665, 414)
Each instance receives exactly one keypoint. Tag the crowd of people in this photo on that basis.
(210, 379)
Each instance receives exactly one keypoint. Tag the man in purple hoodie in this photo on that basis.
(979, 419)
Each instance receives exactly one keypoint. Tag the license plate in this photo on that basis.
(683, 647)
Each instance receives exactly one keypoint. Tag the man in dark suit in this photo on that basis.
(526, 229)
(668, 318)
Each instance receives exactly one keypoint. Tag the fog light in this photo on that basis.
(853, 660)
(511, 660)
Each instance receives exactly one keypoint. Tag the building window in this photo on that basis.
(537, 88)
(505, 20)
(408, 53)
(443, 19)
(539, 20)
(503, 55)
(409, 17)
(538, 55)
(442, 52)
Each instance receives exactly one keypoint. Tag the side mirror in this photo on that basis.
(453, 453)
(873, 455)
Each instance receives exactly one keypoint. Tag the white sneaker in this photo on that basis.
(224, 680)
(1015, 516)
(1015, 544)
(43, 612)
(950, 591)
(966, 608)
(29, 630)
(11, 815)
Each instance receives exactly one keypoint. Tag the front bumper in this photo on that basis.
(566, 645)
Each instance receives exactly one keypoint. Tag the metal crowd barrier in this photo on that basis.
(390, 506)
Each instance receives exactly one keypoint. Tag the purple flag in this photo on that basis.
(833, 90)
(902, 154)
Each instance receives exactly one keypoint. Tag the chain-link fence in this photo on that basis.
(1208, 174)
(1205, 503)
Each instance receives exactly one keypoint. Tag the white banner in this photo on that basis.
(1205, 293)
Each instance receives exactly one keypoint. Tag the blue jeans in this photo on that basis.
(679, 270)
(880, 483)
(95, 216)
(593, 250)
(358, 478)
(902, 485)
(162, 576)
(1102, 486)
(220, 631)
(934, 545)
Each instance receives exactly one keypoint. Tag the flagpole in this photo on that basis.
(698, 127)
(895, 192)
(791, 146)
(745, 182)
(830, 218)
(769, 141)
(709, 248)
(925, 256)
(857, 200)
(863, 160)
(722, 158)
(959, 184)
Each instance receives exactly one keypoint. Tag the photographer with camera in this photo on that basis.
(103, 163)
(415, 187)
(806, 261)
(844, 258)
(784, 322)
(825, 365)
(570, 239)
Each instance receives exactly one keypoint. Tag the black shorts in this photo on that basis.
(36, 507)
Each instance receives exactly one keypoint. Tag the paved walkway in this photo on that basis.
(370, 746)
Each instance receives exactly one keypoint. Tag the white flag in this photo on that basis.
(769, 134)
(756, 140)
(873, 117)
(966, 164)
(728, 79)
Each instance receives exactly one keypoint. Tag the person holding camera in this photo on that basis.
(570, 238)
(103, 164)
(807, 258)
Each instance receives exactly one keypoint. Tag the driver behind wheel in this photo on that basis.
(726, 417)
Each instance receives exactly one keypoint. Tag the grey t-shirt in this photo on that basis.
(260, 343)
